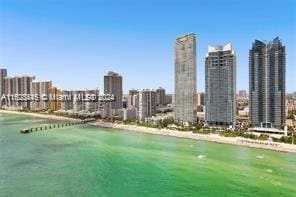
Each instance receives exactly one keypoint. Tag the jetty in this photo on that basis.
(55, 126)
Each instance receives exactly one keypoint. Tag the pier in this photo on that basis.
(54, 126)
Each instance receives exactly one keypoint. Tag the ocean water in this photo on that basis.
(92, 161)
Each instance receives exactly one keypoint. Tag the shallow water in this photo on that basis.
(91, 161)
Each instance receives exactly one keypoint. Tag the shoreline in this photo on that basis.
(238, 141)
(38, 115)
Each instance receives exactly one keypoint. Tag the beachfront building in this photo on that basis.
(18, 85)
(147, 104)
(3, 74)
(42, 90)
(220, 75)
(127, 113)
(272, 132)
(113, 86)
(185, 78)
(267, 69)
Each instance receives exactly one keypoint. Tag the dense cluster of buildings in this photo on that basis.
(220, 105)
(141, 104)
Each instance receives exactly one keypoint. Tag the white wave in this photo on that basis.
(260, 156)
(201, 156)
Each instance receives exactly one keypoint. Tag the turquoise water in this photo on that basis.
(92, 161)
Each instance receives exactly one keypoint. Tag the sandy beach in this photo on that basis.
(173, 133)
(206, 137)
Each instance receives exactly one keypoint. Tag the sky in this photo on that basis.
(75, 42)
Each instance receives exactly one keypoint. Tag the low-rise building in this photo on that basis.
(272, 132)
(244, 112)
(127, 113)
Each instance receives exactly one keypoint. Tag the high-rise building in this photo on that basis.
(3, 74)
(220, 75)
(185, 78)
(135, 100)
(67, 101)
(16, 86)
(267, 69)
(113, 86)
(42, 89)
(147, 104)
(130, 98)
(54, 102)
(90, 104)
(78, 103)
(160, 96)
(8, 82)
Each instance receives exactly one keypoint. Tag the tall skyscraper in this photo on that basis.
(267, 69)
(185, 78)
(147, 104)
(160, 96)
(113, 85)
(220, 71)
(3, 74)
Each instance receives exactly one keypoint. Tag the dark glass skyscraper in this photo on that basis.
(113, 86)
(267, 69)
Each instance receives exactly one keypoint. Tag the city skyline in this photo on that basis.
(38, 43)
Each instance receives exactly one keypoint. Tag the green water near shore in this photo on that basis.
(91, 161)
